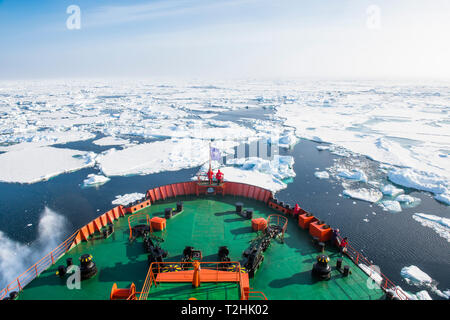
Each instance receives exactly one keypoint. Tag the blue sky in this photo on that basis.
(223, 39)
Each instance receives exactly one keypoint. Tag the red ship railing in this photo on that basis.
(385, 283)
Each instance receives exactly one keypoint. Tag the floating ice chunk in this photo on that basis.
(443, 197)
(110, 141)
(391, 205)
(287, 141)
(390, 190)
(127, 198)
(407, 199)
(279, 167)
(354, 174)
(95, 180)
(322, 174)
(418, 180)
(42, 163)
(439, 224)
(413, 275)
(207, 115)
(370, 195)
(421, 295)
(322, 148)
(253, 177)
(447, 293)
(45, 138)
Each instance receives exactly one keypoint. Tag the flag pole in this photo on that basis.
(210, 155)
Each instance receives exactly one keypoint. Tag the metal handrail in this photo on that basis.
(386, 284)
(150, 279)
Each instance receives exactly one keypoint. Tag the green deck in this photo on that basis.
(206, 224)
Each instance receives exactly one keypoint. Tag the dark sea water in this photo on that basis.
(390, 240)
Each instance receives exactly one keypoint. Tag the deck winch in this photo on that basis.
(321, 268)
(155, 252)
(189, 255)
(140, 230)
(223, 257)
(88, 269)
(254, 258)
(61, 271)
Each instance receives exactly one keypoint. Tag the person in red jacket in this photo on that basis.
(296, 210)
(210, 175)
(219, 177)
(343, 245)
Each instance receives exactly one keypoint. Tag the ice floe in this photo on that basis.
(127, 198)
(421, 295)
(390, 190)
(443, 197)
(354, 174)
(391, 205)
(110, 141)
(421, 181)
(154, 157)
(41, 163)
(322, 175)
(401, 125)
(93, 180)
(369, 195)
(439, 224)
(280, 167)
(288, 141)
(404, 198)
(322, 148)
(413, 275)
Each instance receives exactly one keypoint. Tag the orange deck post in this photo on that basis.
(196, 277)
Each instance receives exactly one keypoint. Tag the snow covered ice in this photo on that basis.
(322, 175)
(369, 195)
(354, 174)
(390, 190)
(391, 205)
(402, 125)
(93, 180)
(439, 224)
(127, 198)
(413, 275)
(41, 163)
